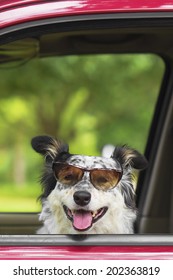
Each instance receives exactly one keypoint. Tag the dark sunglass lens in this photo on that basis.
(105, 179)
(66, 174)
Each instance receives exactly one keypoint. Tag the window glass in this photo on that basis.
(88, 101)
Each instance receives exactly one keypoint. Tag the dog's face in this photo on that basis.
(85, 193)
(80, 189)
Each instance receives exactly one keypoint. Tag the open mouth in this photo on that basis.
(81, 219)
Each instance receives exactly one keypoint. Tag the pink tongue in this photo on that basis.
(82, 219)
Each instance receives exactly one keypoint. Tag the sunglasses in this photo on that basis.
(102, 179)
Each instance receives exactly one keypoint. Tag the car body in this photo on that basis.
(86, 27)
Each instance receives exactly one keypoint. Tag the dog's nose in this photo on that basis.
(82, 198)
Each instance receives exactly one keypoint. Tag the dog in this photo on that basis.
(87, 194)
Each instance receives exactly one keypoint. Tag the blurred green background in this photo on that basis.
(87, 101)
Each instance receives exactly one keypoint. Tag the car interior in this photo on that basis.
(99, 34)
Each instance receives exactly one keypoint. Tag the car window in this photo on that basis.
(88, 101)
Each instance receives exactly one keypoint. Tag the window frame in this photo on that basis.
(100, 21)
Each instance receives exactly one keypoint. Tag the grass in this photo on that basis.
(19, 199)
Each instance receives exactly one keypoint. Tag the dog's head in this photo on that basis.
(82, 190)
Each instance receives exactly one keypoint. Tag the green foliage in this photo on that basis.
(16, 199)
(87, 101)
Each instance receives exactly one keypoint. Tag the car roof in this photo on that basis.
(19, 11)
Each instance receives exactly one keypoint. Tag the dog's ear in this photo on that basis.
(129, 157)
(49, 147)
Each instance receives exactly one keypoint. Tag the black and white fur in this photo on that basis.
(119, 201)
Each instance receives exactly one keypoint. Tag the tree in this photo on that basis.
(88, 101)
